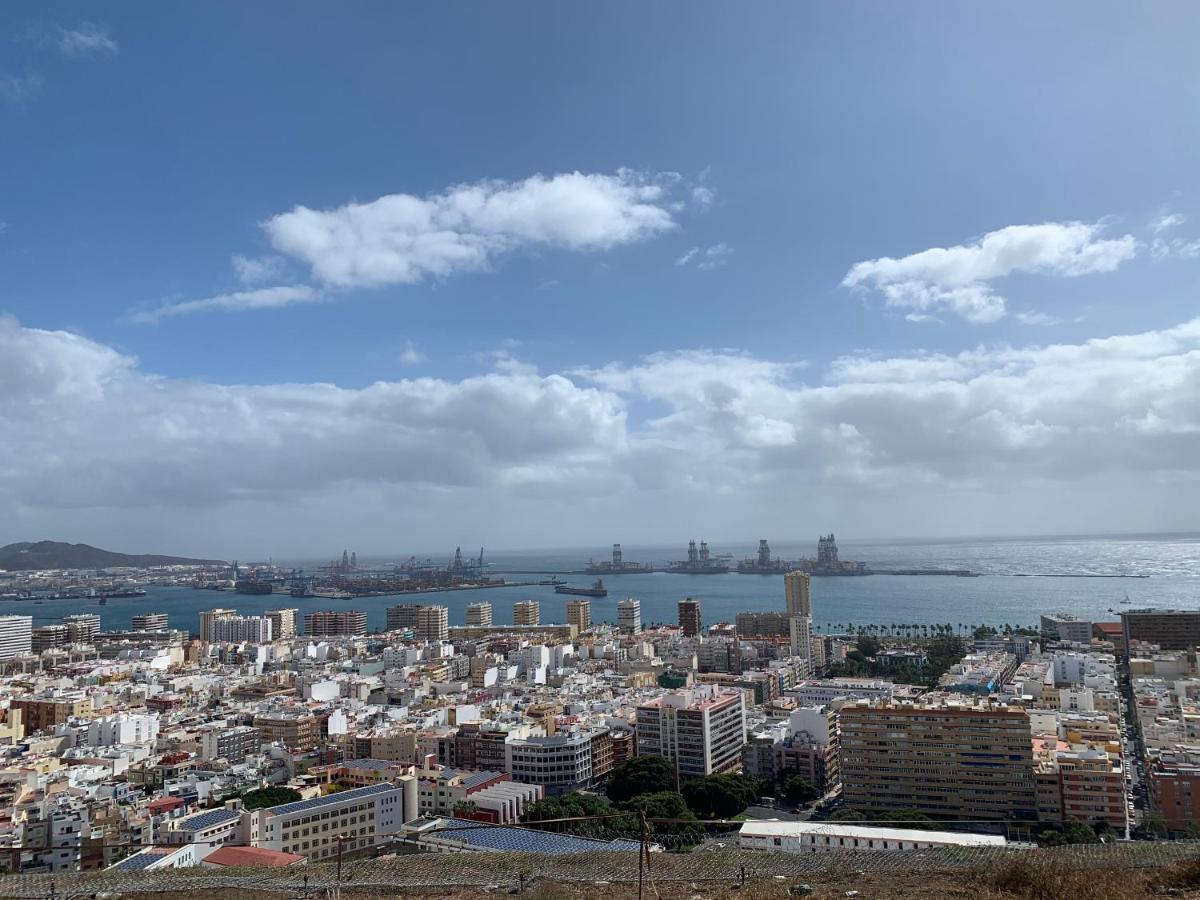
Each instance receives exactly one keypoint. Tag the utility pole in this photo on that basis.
(338, 890)
(642, 852)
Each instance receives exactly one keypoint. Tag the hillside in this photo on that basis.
(57, 555)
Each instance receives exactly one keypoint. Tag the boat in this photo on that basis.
(596, 590)
(764, 564)
(123, 592)
(103, 601)
(253, 586)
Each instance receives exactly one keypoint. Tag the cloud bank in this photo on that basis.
(87, 428)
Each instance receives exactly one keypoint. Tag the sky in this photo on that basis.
(281, 278)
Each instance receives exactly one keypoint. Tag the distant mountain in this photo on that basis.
(57, 555)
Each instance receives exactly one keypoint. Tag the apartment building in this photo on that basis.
(1173, 775)
(231, 743)
(1081, 781)
(702, 730)
(292, 729)
(208, 616)
(283, 622)
(479, 614)
(82, 628)
(953, 759)
(242, 629)
(1170, 629)
(561, 763)
(689, 617)
(334, 622)
(579, 614)
(1062, 627)
(629, 615)
(526, 612)
(155, 621)
(42, 714)
(427, 623)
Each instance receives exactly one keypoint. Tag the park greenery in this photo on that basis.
(260, 798)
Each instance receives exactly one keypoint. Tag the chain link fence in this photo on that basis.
(438, 861)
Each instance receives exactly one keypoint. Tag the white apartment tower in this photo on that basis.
(629, 615)
(16, 636)
(702, 730)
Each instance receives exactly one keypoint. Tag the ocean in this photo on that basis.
(1016, 584)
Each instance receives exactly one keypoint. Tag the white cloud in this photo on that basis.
(256, 270)
(403, 239)
(86, 427)
(703, 196)
(1167, 221)
(1027, 317)
(86, 39)
(236, 301)
(707, 258)
(958, 279)
(20, 88)
(411, 354)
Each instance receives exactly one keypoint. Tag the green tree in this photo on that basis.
(909, 818)
(868, 645)
(720, 796)
(798, 791)
(577, 805)
(261, 798)
(1076, 832)
(665, 805)
(641, 775)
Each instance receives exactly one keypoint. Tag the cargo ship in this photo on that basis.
(699, 562)
(596, 590)
(253, 586)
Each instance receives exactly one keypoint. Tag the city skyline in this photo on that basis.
(852, 271)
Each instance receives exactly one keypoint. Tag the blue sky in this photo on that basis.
(672, 199)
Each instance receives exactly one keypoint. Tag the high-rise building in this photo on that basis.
(561, 763)
(629, 615)
(479, 614)
(427, 623)
(82, 628)
(333, 622)
(283, 622)
(433, 623)
(242, 629)
(689, 617)
(47, 637)
(762, 624)
(701, 730)
(526, 612)
(579, 614)
(1170, 629)
(1062, 627)
(208, 616)
(797, 589)
(801, 640)
(150, 622)
(956, 760)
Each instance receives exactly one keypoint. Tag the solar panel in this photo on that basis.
(331, 800)
(524, 840)
(141, 860)
(208, 818)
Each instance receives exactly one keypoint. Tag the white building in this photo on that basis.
(479, 614)
(362, 817)
(242, 629)
(797, 588)
(702, 729)
(1062, 627)
(629, 615)
(830, 837)
(122, 728)
(561, 763)
(16, 636)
